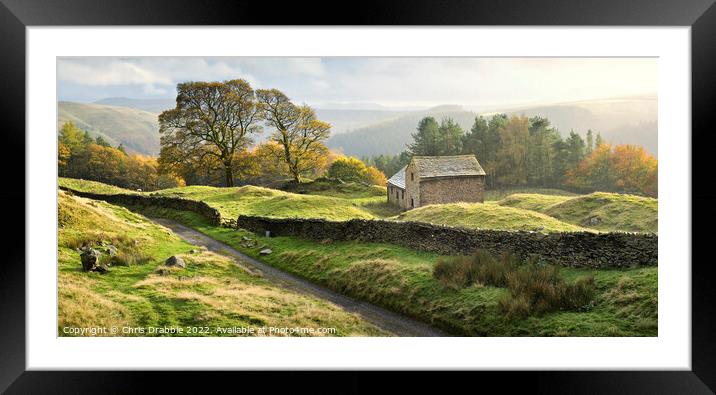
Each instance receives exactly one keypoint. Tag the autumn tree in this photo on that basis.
(348, 169)
(73, 138)
(297, 131)
(636, 171)
(376, 177)
(595, 172)
(211, 119)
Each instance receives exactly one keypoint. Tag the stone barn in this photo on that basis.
(437, 179)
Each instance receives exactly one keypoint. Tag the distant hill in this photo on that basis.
(344, 121)
(620, 121)
(137, 130)
(632, 120)
(149, 105)
(391, 136)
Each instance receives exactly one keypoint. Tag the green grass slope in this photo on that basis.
(137, 130)
(210, 292)
(91, 186)
(499, 194)
(252, 200)
(599, 210)
(532, 201)
(486, 216)
(401, 279)
(371, 198)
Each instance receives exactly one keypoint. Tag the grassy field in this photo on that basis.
(91, 186)
(487, 216)
(211, 291)
(370, 198)
(610, 211)
(401, 279)
(252, 200)
(499, 194)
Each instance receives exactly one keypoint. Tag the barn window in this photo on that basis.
(411, 177)
(412, 203)
(402, 194)
(396, 194)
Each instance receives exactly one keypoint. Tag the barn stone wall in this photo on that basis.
(396, 195)
(442, 190)
(578, 249)
(412, 186)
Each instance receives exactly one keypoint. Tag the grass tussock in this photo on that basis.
(534, 289)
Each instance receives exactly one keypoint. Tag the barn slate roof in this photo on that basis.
(398, 178)
(447, 166)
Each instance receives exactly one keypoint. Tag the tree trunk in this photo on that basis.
(229, 175)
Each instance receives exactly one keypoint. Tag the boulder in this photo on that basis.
(594, 221)
(111, 250)
(175, 261)
(90, 260)
(265, 251)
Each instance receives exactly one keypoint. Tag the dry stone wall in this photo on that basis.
(175, 203)
(574, 249)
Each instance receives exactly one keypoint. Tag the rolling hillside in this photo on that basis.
(155, 106)
(137, 130)
(391, 136)
(487, 216)
(599, 210)
(551, 211)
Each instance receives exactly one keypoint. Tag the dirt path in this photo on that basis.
(387, 320)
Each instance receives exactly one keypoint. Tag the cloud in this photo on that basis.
(154, 76)
(387, 81)
(115, 72)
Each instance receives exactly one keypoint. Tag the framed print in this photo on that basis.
(477, 188)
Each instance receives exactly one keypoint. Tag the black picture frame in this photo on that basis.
(16, 15)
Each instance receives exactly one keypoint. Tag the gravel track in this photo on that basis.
(387, 320)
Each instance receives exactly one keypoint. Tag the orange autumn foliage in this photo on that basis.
(622, 168)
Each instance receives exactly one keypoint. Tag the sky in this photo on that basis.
(354, 82)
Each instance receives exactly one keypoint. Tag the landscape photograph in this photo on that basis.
(357, 196)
